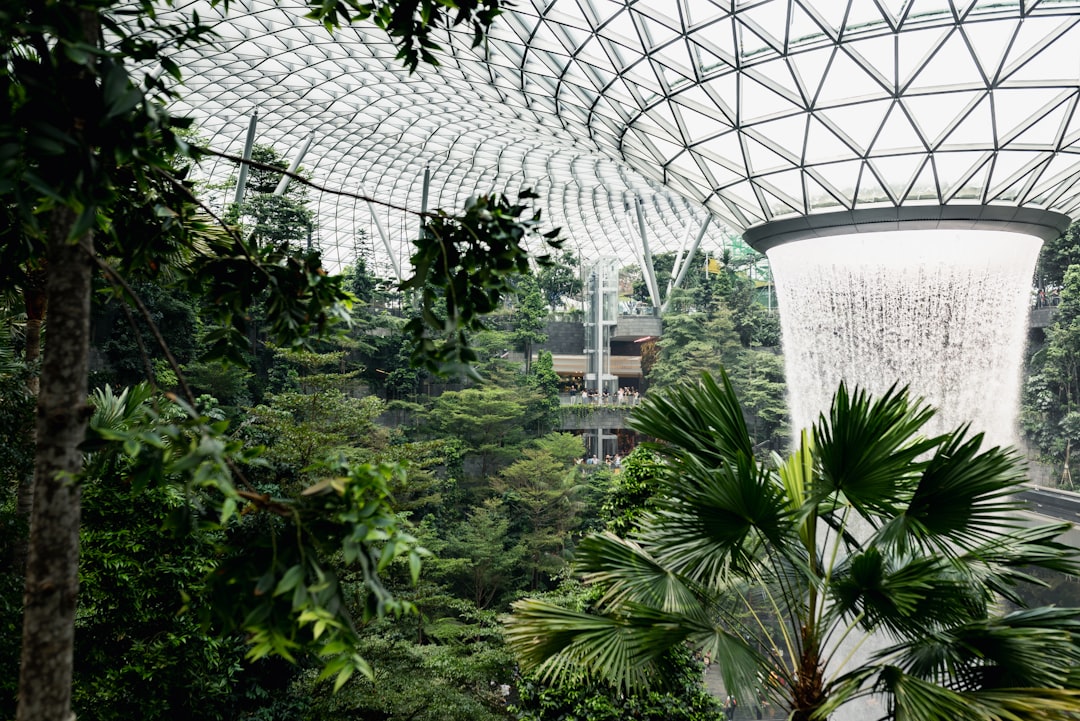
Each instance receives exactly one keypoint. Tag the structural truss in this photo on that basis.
(744, 111)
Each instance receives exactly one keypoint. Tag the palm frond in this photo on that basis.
(915, 699)
(702, 419)
(962, 497)
(903, 595)
(1031, 648)
(622, 648)
(630, 575)
(867, 450)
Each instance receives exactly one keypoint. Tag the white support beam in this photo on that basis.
(686, 263)
(249, 143)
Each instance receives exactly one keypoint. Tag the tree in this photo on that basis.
(778, 570)
(530, 318)
(1051, 407)
(560, 280)
(87, 163)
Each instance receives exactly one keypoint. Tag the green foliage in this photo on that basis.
(685, 698)
(561, 279)
(766, 565)
(275, 586)
(413, 23)
(545, 382)
(1051, 398)
(458, 678)
(1056, 256)
(136, 655)
(463, 266)
(530, 318)
(631, 492)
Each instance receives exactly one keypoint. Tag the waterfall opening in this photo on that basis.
(942, 311)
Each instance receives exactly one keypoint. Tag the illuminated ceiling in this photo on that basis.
(748, 111)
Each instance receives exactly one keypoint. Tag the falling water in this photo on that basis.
(943, 311)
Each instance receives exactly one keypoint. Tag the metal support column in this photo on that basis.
(686, 264)
(394, 262)
(648, 270)
(241, 182)
(283, 184)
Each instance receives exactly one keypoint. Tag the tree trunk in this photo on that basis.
(36, 301)
(62, 411)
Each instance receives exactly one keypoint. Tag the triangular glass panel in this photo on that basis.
(735, 215)
(951, 66)
(720, 175)
(1045, 131)
(1036, 34)
(817, 195)
(723, 91)
(862, 17)
(784, 133)
(924, 189)
(760, 102)
(897, 134)
(592, 55)
(859, 122)
(653, 33)
(871, 191)
(878, 56)
(642, 75)
(1057, 170)
(897, 171)
(842, 178)
(1014, 106)
(1055, 61)
(972, 188)
(768, 21)
(602, 10)
(677, 57)
(702, 11)
(914, 47)
(777, 76)
(742, 194)
(706, 61)
(786, 185)
(712, 99)
(846, 81)
(1012, 167)
(662, 115)
(975, 130)
(777, 207)
(763, 158)
(824, 146)
(621, 29)
(544, 38)
(830, 15)
(1010, 194)
(955, 171)
(571, 37)
(719, 41)
(809, 69)
(698, 125)
(990, 41)
(691, 174)
(1072, 130)
(803, 26)
(936, 112)
(754, 45)
(726, 149)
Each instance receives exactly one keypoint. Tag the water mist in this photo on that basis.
(942, 311)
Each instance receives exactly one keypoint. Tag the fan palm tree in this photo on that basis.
(868, 567)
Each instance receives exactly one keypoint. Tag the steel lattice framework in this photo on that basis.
(747, 111)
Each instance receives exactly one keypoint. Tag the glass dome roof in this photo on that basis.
(751, 111)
